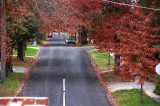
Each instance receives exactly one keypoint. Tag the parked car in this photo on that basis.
(49, 35)
(70, 40)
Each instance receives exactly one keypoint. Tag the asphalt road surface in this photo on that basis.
(58, 62)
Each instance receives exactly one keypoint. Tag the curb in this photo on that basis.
(102, 81)
(27, 72)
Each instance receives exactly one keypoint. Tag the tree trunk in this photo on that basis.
(117, 57)
(9, 68)
(141, 92)
(79, 36)
(116, 60)
(3, 41)
(84, 36)
(75, 37)
(21, 51)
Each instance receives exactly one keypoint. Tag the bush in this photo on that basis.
(157, 89)
(68, 35)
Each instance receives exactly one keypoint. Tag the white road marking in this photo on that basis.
(64, 85)
(64, 92)
(64, 99)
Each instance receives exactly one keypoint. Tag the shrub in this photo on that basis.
(157, 89)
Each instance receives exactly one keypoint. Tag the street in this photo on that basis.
(66, 75)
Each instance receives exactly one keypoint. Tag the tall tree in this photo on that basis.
(6, 48)
(3, 40)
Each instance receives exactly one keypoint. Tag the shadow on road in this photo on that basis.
(48, 45)
(50, 40)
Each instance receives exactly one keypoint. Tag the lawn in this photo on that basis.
(132, 98)
(33, 46)
(11, 84)
(101, 59)
(26, 63)
(29, 51)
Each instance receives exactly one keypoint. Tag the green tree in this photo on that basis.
(25, 29)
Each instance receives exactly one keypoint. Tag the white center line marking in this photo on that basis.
(64, 85)
(64, 92)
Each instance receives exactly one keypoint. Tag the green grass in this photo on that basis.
(101, 59)
(33, 46)
(28, 52)
(31, 52)
(132, 98)
(68, 35)
(11, 84)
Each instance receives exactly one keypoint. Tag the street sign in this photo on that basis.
(158, 69)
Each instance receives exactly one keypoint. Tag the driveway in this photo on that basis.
(66, 75)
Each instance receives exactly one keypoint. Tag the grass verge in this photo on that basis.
(101, 59)
(28, 52)
(33, 46)
(11, 84)
(26, 63)
(31, 52)
(132, 98)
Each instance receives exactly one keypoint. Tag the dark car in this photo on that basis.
(70, 40)
(49, 35)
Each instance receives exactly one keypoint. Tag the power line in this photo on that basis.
(130, 5)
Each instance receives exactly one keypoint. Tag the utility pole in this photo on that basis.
(3, 41)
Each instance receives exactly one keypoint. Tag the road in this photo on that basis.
(58, 61)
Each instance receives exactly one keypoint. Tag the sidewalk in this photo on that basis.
(19, 69)
(114, 86)
(34, 47)
(148, 87)
(26, 56)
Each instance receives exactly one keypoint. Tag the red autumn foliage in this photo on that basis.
(127, 32)
(132, 36)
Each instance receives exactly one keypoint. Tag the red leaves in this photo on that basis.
(126, 32)
(129, 34)
(141, 81)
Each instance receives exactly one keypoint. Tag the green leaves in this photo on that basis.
(137, 59)
(157, 89)
(22, 29)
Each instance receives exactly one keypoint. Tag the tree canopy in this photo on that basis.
(130, 32)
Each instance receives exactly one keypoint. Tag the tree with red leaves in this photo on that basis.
(125, 31)
(3, 39)
(10, 10)
(130, 34)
